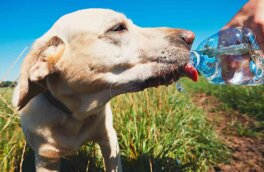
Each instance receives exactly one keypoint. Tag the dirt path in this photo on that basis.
(231, 126)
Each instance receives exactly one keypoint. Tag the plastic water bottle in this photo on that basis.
(231, 56)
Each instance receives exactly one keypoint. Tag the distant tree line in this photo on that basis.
(8, 83)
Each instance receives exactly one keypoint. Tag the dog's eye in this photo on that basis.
(118, 28)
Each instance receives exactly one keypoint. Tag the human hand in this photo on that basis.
(251, 16)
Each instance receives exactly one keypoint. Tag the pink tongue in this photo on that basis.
(191, 72)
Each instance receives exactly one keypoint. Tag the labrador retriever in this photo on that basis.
(76, 67)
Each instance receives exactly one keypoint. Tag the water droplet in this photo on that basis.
(179, 87)
(178, 162)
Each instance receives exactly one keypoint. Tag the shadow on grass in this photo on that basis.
(83, 163)
(146, 163)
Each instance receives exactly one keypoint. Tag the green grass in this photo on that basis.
(163, 125)
(11, 142)
(246, 99)
(243, 130)
(158, 129)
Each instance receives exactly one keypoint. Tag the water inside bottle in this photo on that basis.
(239, 49)
(179, 87)
(236, 64)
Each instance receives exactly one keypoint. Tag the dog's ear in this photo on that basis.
(38, 64)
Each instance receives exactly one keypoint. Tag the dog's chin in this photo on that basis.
(164, 77)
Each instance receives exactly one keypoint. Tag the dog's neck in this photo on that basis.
(77, 114)
(56, 103)
(79, 106)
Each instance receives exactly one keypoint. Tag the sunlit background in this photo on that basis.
(22, 21)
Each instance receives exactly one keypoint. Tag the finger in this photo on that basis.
(258, 29)
(260, 38)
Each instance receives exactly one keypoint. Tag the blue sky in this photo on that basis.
(22, 21)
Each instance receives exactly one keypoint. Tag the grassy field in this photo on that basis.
(158, 130)
(246, 100)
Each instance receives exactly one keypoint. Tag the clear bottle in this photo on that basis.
(231, 56)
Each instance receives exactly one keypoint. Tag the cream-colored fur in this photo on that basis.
(84, 60)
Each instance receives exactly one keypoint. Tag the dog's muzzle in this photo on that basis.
(167, 78)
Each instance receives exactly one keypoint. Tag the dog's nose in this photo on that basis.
(187, 36)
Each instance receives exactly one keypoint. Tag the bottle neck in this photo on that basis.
(194, 58)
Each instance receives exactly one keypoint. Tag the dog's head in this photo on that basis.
(96, 54)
